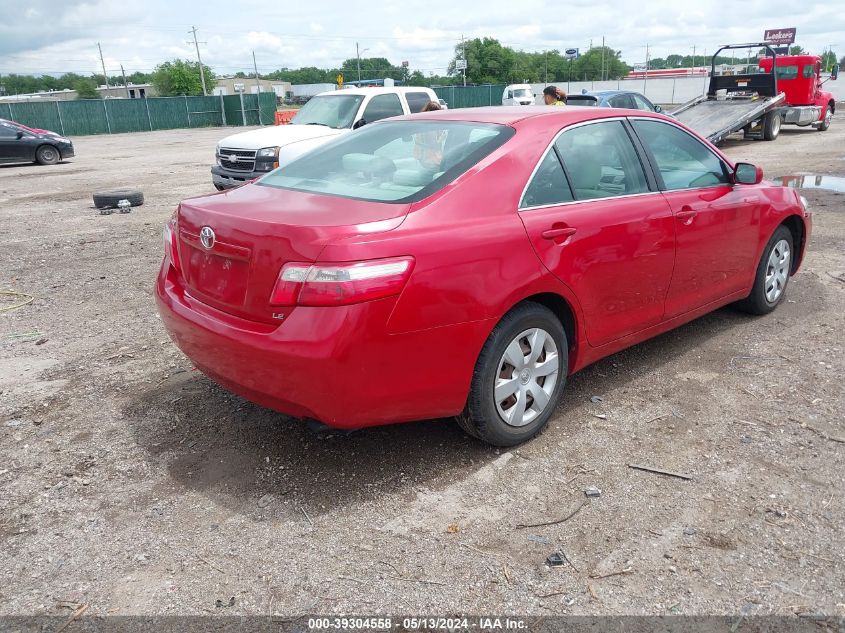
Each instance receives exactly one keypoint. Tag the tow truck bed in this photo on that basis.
(715, 119)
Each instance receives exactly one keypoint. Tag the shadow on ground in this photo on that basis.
(235, 452)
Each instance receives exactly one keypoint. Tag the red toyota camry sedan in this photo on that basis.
(465, 262)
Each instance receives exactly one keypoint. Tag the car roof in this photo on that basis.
(510, 115)
(376, 90)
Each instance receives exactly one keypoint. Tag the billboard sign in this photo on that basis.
(780, 37)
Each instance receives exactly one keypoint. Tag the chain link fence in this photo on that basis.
(113, 116)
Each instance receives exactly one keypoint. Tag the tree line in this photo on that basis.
(488, 62)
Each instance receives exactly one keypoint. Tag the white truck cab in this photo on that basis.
(247, 155)
(518, 94)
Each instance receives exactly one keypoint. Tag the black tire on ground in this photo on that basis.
(220, 187)
(828, 115)
(481, 418)
(47, 155)
(757, 302)
(109, 199)
(771, 126)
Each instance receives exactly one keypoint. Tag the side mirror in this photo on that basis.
(834, 72)
(359, 123)
(747, 174)
(657, 108)
(19, 135)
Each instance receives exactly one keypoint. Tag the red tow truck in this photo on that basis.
(758, 98)
(799, 78)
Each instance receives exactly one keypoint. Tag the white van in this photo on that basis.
(518, 94)
(247, 155)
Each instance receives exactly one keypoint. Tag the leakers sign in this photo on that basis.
(780, 36)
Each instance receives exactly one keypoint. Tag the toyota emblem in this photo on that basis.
(207, 237)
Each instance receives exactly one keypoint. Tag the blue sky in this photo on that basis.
(55, 36)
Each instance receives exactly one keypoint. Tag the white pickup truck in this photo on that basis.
(247, 155)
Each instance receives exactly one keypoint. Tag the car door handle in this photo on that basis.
(686, 215)
(553, 234)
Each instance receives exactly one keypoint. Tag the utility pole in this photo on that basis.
(103, 63)
(125, 86)
(199, 59)
(645, 77)
(693, 56)
(358, 57)
(464, 55)
(255, 68)
(601, 74)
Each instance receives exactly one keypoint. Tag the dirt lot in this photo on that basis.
(134, 485)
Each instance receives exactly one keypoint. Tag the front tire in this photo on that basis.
(519, 377)
(771, 126)
(47, 155)
(772, 274)
(828, 117)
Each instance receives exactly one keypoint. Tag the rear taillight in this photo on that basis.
(341, 283)
(171, 252)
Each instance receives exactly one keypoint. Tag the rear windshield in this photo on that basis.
(394, 161)
(581, 100)
(332, 111)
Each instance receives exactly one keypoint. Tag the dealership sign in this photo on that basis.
(779, 37)
(571, 53)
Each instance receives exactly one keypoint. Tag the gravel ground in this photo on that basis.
(132, 484)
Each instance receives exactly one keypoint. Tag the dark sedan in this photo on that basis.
(613, 99)
(21, 144)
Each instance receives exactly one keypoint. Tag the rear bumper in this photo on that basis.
(336, 365)
(228, 179)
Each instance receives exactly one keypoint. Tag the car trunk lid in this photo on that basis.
(233, 245)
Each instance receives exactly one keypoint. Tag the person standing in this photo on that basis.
(554, 96)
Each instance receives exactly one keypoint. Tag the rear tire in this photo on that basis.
(519, 377)
(47, 155)
(772, 275)
(771, 126)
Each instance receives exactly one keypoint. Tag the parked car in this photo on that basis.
(613, 99)
(22, 144)
(247, 155)
(465, 262)
(443, 104)
(518, 94)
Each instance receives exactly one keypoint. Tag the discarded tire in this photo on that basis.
(109, 199)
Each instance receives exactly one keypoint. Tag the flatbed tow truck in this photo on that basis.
(757, 99)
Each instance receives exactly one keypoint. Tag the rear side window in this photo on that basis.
(622, 101)
(601, 161)
(382, 107)
(684, 162)
(417, 101)
(394, 161)
(7, 131)
(786, 72)
(548, 185)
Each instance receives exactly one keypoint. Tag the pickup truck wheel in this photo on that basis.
(518, 378)
(771, 126)
(772, 275)
(828, 117)
(47, 155)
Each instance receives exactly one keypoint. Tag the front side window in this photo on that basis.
(642, 104)
(334, 111)
(683, 161)
(382, 107)
(601, 161)
(548, 185)
(416, 101)
(394, 161)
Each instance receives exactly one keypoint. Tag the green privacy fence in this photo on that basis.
(112, 116)
(471, 96)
